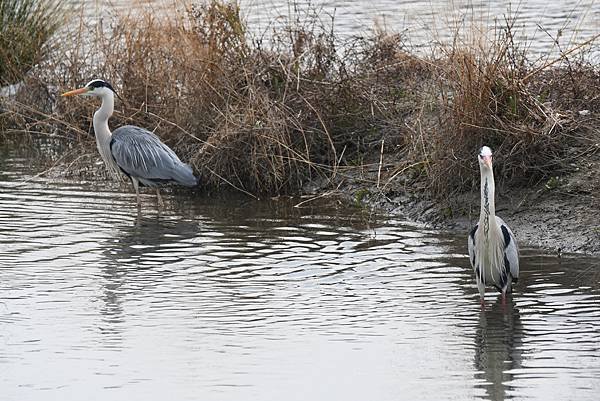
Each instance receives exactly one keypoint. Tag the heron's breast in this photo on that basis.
(490, 255)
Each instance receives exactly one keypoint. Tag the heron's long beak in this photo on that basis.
(487, 160)
(76, 92)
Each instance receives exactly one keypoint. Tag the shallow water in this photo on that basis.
(243, 300)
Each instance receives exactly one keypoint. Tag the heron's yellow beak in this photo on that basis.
(76, 92)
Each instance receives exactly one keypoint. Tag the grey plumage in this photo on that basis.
(492, 246)
(506, 269)
(132, 150)
(140, 154)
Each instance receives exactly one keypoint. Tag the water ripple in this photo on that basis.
(245, 300)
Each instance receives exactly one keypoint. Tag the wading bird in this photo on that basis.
(493, 249)
(134, 151)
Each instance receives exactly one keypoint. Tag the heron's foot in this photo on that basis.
(482, 303)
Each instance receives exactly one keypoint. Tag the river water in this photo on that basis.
(237, 299)
(539, 25)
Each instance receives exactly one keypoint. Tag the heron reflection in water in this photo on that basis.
(498, 348)
(133, 151)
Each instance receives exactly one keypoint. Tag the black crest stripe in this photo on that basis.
(101, 84)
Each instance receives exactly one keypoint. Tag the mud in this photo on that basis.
(560, 214)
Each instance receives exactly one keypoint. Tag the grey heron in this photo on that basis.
(493, 249)
(134, 151)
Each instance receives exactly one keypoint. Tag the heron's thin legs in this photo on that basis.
(137, 192)
(138, 218)
(481, 289)
(161, 204)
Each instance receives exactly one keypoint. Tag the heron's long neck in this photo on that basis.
(103, 135)
(487, 217)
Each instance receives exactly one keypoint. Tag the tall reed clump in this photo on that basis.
(492, 94)
(266, 115)
(261, 117)
(26, 26)
(292, 109)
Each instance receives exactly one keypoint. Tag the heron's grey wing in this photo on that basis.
(471, 245)
(511, 249)
(142, 155)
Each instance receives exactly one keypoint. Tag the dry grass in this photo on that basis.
(267, 118)
(491, 93)
(261, 119)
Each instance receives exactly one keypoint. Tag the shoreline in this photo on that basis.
(558, 220)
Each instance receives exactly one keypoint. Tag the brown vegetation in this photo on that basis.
(492, 94)
(269, 116)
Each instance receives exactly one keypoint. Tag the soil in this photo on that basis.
(560, 215)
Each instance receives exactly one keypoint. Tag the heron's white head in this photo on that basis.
(485, 157)
(95, 87)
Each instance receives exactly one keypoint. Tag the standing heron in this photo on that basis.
(134, 151)
(493, 249)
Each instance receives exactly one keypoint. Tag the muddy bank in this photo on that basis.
(560, 215)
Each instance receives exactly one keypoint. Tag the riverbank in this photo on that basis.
(559, 215)
(367, 118)
(557, 212)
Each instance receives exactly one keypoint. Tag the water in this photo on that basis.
(243, 300)
(423, 22)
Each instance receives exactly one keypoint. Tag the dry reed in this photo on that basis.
(269, 117)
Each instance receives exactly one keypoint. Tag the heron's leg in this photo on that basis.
(506, 290)
(481, 288)
(161, 204)
(136, 185)
(138, 218)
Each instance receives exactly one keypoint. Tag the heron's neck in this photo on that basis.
(487, 217)
(102, 115)
(103, 135)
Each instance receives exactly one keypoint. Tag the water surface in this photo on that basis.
(243, 300)
(234, 299)
(538, 26)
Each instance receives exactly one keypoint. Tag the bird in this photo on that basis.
(131, 150)
(493, 249)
